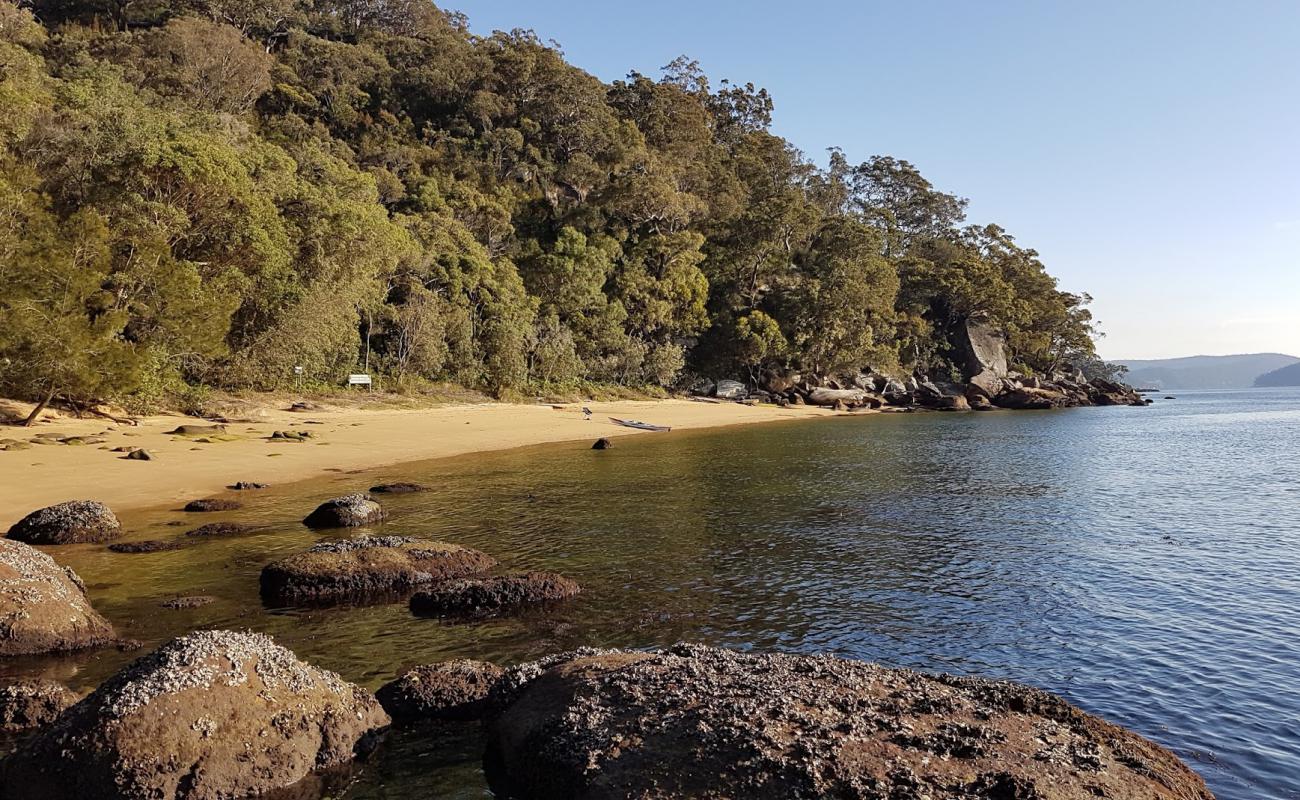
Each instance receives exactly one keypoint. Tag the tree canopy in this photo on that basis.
(218, 192)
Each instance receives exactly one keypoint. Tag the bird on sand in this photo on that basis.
(586, 413)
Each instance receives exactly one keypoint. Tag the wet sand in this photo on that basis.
(185, 467)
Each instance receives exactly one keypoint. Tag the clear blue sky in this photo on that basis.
(1150, 151)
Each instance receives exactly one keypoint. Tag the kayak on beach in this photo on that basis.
(644, 426)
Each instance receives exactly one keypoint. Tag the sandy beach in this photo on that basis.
(185, 467)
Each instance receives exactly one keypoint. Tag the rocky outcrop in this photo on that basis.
(72, 522)
(398, 488)
(492, 595)
(43, 606)
(208, 504)
(348, 511)
(455, 690)
(30, 704)
(693, 721)
(243, 486)
(602, 443)
(982, 346)
(209, 715)
(730, 390)
(368, 568)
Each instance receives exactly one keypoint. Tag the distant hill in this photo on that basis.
(1205, 372)
(1286, 376)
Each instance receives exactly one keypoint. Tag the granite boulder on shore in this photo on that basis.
(210, 715)
(73, 522)
(43, 606)
(694, 721)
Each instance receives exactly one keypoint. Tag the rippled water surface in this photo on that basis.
(1145, 563)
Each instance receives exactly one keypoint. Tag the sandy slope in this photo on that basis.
(346, 438)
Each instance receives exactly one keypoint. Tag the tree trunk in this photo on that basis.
(36, 412)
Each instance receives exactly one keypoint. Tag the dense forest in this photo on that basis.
(213, 193)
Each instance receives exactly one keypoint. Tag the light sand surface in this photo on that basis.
(344, 438)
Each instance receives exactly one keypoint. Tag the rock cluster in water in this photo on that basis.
(348, 511)
(75, 521)
(493, 594)
(456, 690)
(692, 721)
(43, 606)
(353, 569)
(215, 714)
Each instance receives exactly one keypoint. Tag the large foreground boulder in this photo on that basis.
(73, 522)
(453, 690)
(210, 715)
(348, 511)
(43, 606)
(694, 721)
(30, 704)
(495, 594)
(368, 567)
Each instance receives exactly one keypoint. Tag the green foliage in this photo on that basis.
(216, 192)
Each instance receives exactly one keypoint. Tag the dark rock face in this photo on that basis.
(212, 504)
(398, 488)
(146, 546)
(43, 607)
(602, 444)
(693, 721)
(213, 529)
(492, 595)
(369, 567)
(31, 704)
(210, 715)
(456, 690)
(139, 454)
(348, 511)
(68, 523)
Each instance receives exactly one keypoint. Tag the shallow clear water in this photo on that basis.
(1144, 563)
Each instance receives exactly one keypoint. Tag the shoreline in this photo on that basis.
(185, 467)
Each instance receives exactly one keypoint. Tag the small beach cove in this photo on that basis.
(1041, 547)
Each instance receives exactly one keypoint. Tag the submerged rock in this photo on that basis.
(492, 595)
(191, 601)
(207, 504)
(348, 511)
(43, 606)
(603, 444)
(355, 569)
(30, 704)
(213, 529)
(146, 546)
(399, 488)
(72, 522)
(214, 714)
(692, 721)
(454, 690)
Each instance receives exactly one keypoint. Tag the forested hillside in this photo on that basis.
(214, 192)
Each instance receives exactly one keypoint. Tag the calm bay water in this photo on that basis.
(1144, 563)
